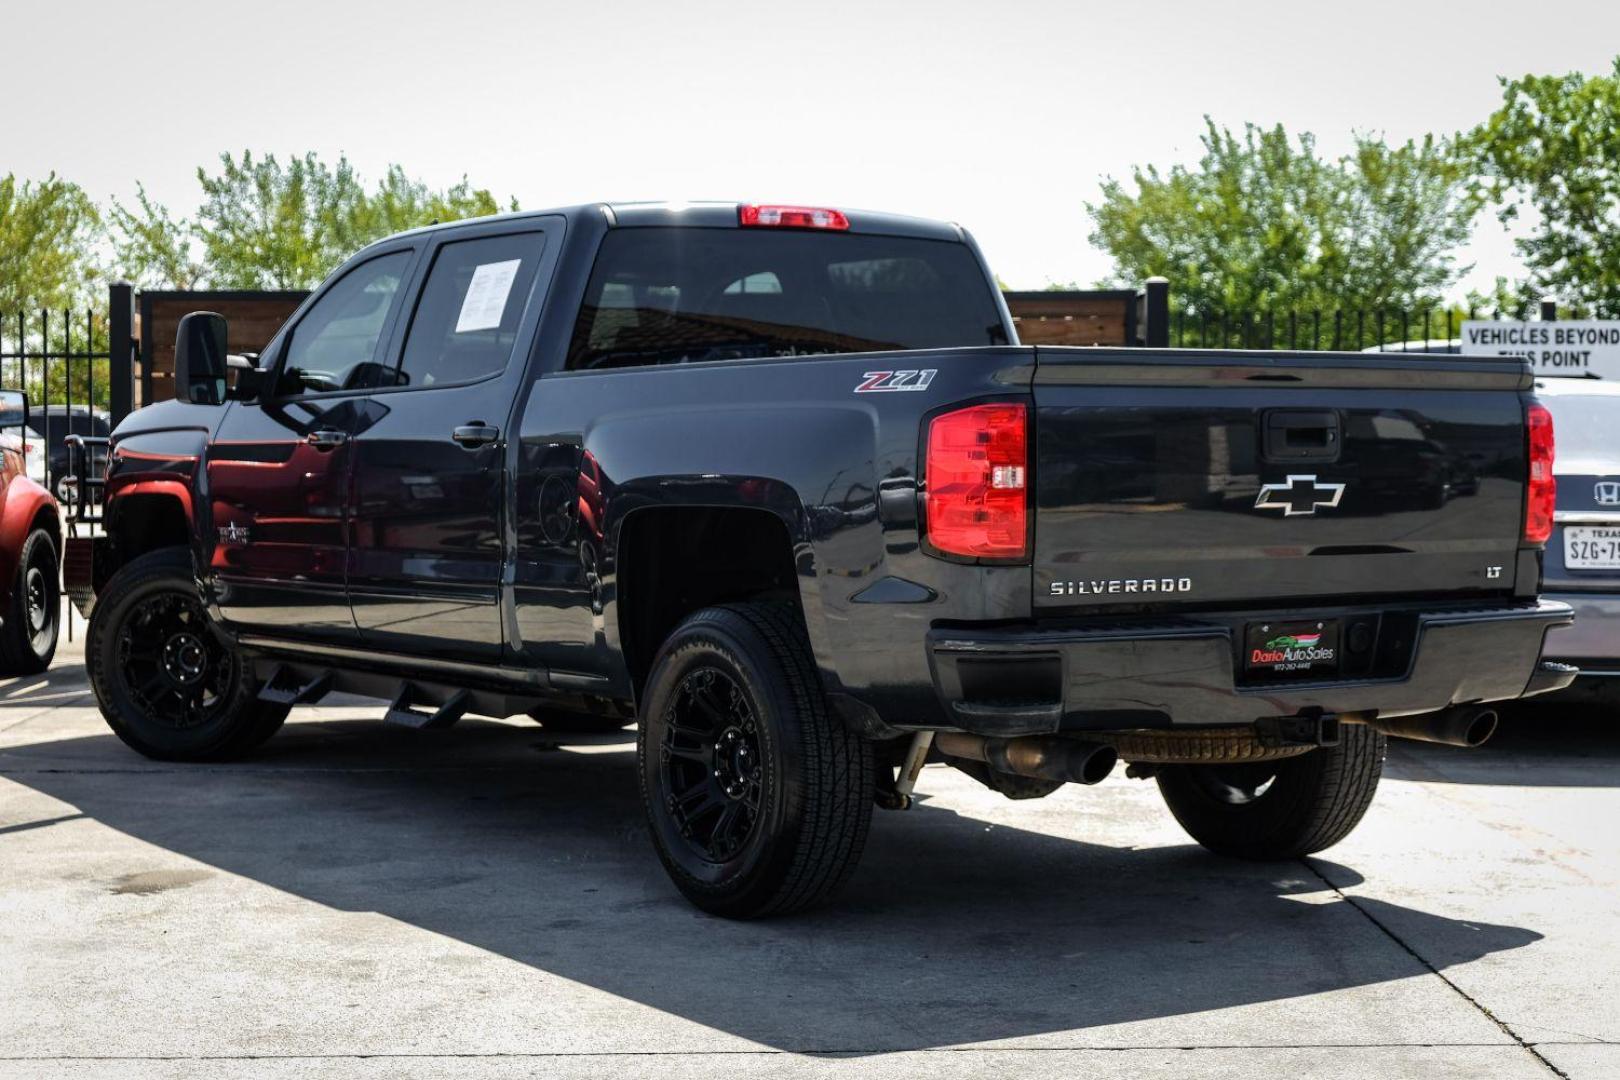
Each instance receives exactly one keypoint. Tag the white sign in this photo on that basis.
(486, 296)
(1577, 347)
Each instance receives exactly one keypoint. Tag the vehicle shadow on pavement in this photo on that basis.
(56, 686)
(954, 930)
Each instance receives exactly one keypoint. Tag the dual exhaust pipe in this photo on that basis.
(1460, 725)
(1073, 761)
(1040, 757)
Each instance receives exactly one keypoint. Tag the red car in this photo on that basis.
(30, 538)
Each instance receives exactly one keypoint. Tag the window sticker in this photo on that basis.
(486, 296)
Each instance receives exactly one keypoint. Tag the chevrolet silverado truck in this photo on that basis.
(778, 483)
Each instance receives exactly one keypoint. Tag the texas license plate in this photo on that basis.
(1294, 649)
(1592, 548)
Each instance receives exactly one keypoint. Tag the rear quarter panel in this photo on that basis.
(837, 467)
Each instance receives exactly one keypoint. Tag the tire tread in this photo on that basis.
(832, 803)
(17, 656)
(255, 721)
(1327, 793)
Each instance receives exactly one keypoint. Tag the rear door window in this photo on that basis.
(685, 295)
(467, 319)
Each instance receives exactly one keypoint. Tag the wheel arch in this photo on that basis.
(141, 518)
(671, 560)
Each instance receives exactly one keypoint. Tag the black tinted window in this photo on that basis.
(76, 423)
(672, 296)
(334, 345)
(467, 320)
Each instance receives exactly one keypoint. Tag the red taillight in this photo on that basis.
(976, 473)
(791, 217)
(1542, 497)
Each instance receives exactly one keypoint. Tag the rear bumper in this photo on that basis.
(1132, 674)
(1593, 642)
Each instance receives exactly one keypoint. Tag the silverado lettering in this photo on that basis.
(1120, 585)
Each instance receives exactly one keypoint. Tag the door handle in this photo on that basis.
(1296, 435)
(326, 439)
(475, 434)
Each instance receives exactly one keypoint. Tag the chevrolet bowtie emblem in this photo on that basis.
(1298, 495)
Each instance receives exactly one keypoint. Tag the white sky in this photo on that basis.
(1001, 116)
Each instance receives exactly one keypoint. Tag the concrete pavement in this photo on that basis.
(365, 901)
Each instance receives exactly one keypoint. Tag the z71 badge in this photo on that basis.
(885, 382)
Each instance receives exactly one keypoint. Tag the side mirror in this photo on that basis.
(199, 359)
(13, 409)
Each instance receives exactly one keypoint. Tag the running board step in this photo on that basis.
(402, 713)
(287, 687)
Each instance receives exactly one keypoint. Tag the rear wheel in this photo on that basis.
(168, 682)
(28, 639)
(1278, 809)
(758, 797)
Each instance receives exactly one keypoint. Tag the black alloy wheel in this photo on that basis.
(28, 637)
(175, 667)
(711, 762)
(758, 796)
(168, 682)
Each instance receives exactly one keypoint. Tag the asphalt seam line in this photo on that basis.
(1528, 1048)
(471, 1055)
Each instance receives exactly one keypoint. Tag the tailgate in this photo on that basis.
(1170, 479)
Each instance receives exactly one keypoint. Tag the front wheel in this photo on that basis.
(28, 638)
(167, 681)
(758, 797)
(1280, 809)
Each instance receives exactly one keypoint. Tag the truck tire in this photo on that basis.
(28, 639)
(758, 797)
(168, 683)
(1278, 809)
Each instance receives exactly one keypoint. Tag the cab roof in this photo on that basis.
(704, 215)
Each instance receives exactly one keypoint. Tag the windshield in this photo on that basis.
(684, 295)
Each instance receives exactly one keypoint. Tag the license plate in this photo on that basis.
(1292, 649)
(1592, 548)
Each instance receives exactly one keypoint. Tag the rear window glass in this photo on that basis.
(683, 295)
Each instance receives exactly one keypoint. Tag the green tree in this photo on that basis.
(1264, 224)
(1555, 145)
(48, 232)
(151, 247)
(265, 224)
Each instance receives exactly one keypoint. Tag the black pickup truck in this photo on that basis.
(779, 483)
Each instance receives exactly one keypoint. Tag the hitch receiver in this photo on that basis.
(1318, 730)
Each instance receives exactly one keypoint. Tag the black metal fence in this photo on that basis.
(76, 367)
(1160, 322)
(1433, 329)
